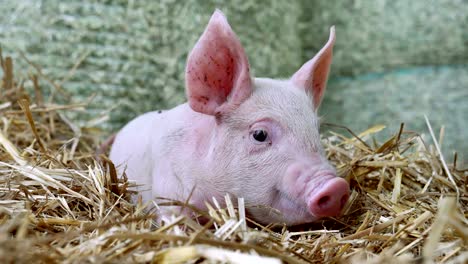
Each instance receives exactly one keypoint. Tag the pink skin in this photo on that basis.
(323, 193)
(255, 138)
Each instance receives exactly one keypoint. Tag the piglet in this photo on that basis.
(256, 138)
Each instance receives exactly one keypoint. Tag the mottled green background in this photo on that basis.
(394, 60)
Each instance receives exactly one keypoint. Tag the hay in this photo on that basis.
(59, 204)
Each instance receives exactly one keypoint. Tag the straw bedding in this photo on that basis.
(61, 203)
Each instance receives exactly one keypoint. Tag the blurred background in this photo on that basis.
(394, 60)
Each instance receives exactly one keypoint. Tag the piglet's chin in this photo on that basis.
(328, 199)
(290, 216)
(283, 210)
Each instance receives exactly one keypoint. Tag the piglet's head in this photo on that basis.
(266, 145)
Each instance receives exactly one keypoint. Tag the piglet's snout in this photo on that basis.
(330, 198)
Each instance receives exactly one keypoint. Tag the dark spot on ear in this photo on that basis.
(205, 78)
(159, 111)
(218, 116)
(203, 99)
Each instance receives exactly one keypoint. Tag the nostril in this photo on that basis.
(323, 201)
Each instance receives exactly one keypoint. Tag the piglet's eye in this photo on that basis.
(260, 135)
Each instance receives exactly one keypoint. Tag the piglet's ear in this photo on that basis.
(313, 75)
(217, 74)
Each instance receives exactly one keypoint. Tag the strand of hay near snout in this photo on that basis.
(59, 204)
